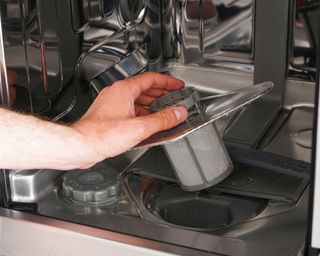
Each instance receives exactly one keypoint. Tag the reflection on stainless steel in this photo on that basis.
(28, 186)
(104, 14)
(299, 93)
(4, 88)
(145, 31)
(294, 138)
(304, 138)
(125, 26)
(210, 79)
(98, 61)
(128, 65)
(124, 17)
(209, 30)
(227, 29)
(296, 116)
(111, 64)
(86, 13)
(37, 48)
(305, 39)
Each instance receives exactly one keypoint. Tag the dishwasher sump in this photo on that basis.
(204, 210)
(259, 180)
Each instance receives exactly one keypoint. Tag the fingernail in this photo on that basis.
(177, 113)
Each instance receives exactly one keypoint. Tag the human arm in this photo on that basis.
(115, 122)
(29, 142)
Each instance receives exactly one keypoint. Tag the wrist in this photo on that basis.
(88, 153)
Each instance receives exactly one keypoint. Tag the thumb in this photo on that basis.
(164, 119)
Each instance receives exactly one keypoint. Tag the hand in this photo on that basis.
(118, 119)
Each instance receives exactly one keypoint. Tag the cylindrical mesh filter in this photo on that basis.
(199, 159)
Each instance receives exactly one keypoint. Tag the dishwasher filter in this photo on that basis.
(195, 148)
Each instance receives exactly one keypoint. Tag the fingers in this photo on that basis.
(153, 92)
(142, 83)
(145, 100)
(163, 120)
(141, 110)
(149, 96)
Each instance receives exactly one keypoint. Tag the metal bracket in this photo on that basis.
(270, 56)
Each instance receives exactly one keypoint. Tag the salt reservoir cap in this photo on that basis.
(96, 186)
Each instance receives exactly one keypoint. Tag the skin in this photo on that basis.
(116, 121)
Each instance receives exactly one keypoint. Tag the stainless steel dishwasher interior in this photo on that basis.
(210, 45)
(230, 210)
(234, 209)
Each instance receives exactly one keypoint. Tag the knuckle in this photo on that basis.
(105, 90)
(117, 83)
(123, 85)
(167, 118)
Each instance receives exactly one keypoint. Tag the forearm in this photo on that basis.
(31, 143)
